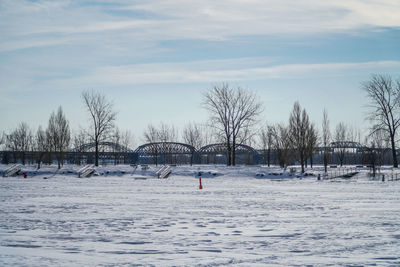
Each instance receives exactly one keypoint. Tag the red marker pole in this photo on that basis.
(201, 186)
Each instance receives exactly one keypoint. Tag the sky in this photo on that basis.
(155, 59)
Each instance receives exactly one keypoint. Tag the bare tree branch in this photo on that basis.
(233, 111)
(384, 95)
(102, 118)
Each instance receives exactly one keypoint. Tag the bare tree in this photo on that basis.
(2, 138)
(382, 143)
(42, 145)
(217, 102)
(2, 144)
(298, 126)
(378, 141)
(340, 139)
(167, 133)
(353, 135)
(80, 139)
(102, 118)
(326, 139)
(59, 134)
(164, 133)
(116, 138)
(195, 135)
(311, 142)
(151, 136)
(247, 136)
(126, 142)
(127, 139)
(210, 136)
(282, 144)
(384, 95)
(232, 112)
(192, 135)
(123, 140)
(20, 141)
(12, 144)
(245, 110)
(266, 139)
(372, 152)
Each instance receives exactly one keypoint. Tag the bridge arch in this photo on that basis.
(103, 146)
(166, 153)
(217, 154)
(109, 153)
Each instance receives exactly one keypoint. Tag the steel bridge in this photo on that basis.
(346, 145)
(179, 153)
(217, 154)
(103, 146)
(166, 153)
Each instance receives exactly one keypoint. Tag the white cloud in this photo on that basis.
(233, 70)
(231, 18)
(182, 19)
(92, 41)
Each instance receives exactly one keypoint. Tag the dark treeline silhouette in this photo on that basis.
(234, 134)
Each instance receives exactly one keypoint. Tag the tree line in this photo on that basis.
(234, 118)
(56, 138)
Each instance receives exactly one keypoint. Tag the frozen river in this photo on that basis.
(66, 221)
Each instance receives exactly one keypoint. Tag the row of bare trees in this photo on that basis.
(302, 135)
(20, 140)
(296, 141)
(194, 134)
(234, 112)
(54, 139)
(234, 116)
(299, 141)
(162, 134)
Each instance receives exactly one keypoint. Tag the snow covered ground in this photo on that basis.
(121, 217)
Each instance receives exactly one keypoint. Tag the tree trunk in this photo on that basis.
(395, 163)
(229, 154)
(234, 151)
(302, 162)
(265, 158)
(39, 161)
(96, 154)
(59, 159)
